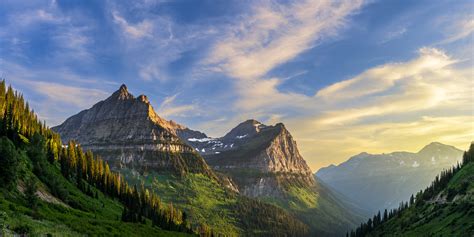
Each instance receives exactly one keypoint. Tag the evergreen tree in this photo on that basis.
(30, 193)
(9, 163)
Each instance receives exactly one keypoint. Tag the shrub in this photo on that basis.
(23, 229)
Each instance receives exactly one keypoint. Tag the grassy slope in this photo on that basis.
(205, 201)
(318, 208)
(449, 219)
(91, 216)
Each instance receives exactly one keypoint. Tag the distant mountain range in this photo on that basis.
(381, 181)
(253, 161)
(445, 208)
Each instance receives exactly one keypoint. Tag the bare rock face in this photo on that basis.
(262, 160)
(126, 131)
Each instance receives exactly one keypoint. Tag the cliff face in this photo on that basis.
(262, 160)
(126, 131)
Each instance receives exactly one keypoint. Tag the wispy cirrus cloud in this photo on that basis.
(384, 77)
(457, 28)
(270, 36)
(274, 34)
(79, 97)
(393, 34)
(67, 40)
(163, 40)
(136, 31)
(169, 108)
(56, 94)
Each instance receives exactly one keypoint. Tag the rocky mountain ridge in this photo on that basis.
(262, 160)
(258, 146)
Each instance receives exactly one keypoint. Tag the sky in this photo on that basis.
(343, 76)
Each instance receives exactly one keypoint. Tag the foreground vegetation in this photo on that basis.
(223, 211)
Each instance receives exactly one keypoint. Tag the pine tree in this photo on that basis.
(9, 163)
(30, 193)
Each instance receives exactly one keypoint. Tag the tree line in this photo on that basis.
(439, 184)
(20, 127)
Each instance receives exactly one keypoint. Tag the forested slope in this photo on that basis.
(48, 188)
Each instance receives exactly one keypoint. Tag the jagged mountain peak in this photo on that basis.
(110, 120)
(128, 132)
(250, 123)
(247, 128)
(122, 94)
(123, 103)
(144, 99)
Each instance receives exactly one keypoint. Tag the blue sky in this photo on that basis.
(344, 76)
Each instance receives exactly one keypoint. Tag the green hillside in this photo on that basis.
(446, 208)
(225, 212)
(50, 189)
(317, 207)
(80, 215)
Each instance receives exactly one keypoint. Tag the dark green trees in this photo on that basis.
(30, 193)
(9, 160)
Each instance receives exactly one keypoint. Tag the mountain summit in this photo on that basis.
(244, 129)
(122, 93)
(126, 131)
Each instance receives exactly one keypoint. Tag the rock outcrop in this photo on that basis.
(126, 131)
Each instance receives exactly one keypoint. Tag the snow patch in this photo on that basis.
(206, 139)
(240, 137)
